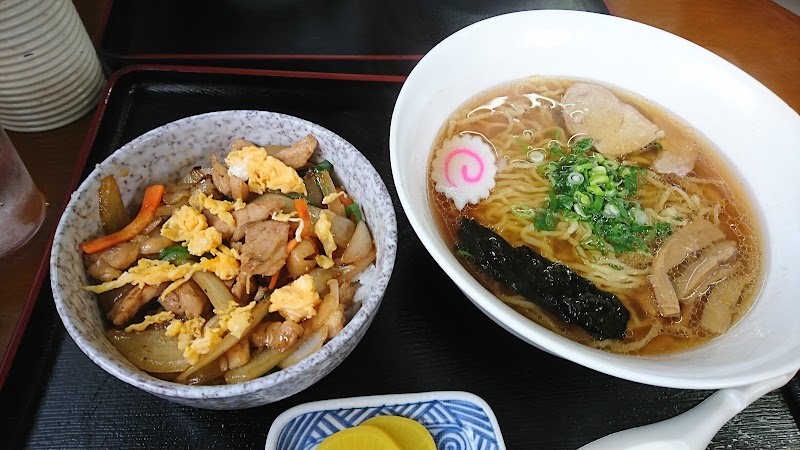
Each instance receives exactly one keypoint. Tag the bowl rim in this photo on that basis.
(513, 322)
(141, 379)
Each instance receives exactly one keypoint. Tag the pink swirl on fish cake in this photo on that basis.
(476, 160)
(464, 169)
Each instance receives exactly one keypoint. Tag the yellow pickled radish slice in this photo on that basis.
(362, 437)
(409, 434)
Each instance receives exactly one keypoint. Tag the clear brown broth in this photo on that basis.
(737, 219)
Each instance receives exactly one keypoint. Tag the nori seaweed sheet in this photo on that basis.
(550, 285)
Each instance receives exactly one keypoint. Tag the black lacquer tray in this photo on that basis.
(364, 36)
(427, 336)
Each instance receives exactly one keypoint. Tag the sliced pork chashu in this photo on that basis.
(703, 267)
(693, 237)
(616, 127)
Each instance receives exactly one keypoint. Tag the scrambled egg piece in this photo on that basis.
(262, 171)
(196, 340)
(161, 317)
(187, 224)
(328, 199)
(146, 271)
(324, 262)
(323, 231)
(297, 300)
(193, 338)
(236, 318)
(224, 264)
(220, 208)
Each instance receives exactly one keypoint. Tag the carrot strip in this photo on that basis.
(274, 280)
(152, 198)
(345, 199)
(302, 210)
(290, 246)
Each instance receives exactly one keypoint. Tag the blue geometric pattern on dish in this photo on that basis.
(454, 424)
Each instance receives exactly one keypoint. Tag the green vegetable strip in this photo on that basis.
(176, 254)
(353, 212)
(588, 187)
(324, 165)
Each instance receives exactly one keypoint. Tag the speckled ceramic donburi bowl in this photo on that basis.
(165, 154)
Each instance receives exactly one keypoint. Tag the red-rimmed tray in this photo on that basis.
(426, 336)
(387, 36)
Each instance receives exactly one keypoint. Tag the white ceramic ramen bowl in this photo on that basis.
(753, 128)
(167, 153)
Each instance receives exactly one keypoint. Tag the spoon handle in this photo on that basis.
(694, 429)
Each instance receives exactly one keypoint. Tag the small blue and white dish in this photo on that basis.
(456, 420)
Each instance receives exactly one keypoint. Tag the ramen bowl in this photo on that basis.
(727, 106)
(166, 154)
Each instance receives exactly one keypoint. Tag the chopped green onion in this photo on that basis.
(640, 217)
(544, 220)
(611, 210)
(581, 145)
(596, 190)
(523, 212)
(663, 229)
(536, 156)
(575, 178)
(599, 170)
(591, 188)
(583, 199)
(353, 212)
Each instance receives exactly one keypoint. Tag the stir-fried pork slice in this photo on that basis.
(240, 288)
(698, 271)
(264, 249)
(277, 335)
(127, 307)
(616, 127)
(108, 264)
(693, 237)
(718, 310)
(108, 299)
(297, 155)
(231, 186)
(99, 269)
(254, 212)
(187, 300)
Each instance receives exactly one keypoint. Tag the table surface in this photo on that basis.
(758, 36)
